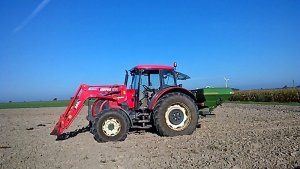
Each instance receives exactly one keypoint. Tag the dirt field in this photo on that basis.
(240, 136)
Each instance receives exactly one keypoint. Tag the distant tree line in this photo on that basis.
(271, 95)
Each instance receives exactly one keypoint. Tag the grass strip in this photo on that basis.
(34, 104)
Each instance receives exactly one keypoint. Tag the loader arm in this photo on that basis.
(83, 93)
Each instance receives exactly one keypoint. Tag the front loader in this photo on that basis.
(152, 99)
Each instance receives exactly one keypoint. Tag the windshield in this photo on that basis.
(155, 79)
(149, 78)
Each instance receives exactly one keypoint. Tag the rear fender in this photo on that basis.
(165, 91)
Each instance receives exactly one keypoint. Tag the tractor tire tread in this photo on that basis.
(123, 116)
(163, 130)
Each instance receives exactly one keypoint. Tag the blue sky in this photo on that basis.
(49, 47)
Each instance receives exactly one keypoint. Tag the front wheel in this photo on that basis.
(111, 125)
(175, 114)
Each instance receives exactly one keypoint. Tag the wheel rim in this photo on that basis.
(111, 127)
(177, 117)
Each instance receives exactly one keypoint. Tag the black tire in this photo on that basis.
(175, 114)
(110, 125)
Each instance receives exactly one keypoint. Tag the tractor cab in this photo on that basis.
(148, 80)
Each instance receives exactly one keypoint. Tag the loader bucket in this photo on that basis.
(54, 131)
(58, 128)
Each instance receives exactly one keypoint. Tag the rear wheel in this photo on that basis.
(110, 125)
(175, 114)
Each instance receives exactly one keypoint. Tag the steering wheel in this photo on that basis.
(147, 88)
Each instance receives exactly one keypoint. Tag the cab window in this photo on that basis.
(168, 78)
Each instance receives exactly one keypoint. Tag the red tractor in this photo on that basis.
(153, 99)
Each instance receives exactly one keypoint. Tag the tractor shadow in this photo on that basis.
(151, 130)
(135, 131)
(139, 131)
(74, 133)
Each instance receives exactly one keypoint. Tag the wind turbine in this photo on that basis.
(226, 82)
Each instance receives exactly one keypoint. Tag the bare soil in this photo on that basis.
(240, 136)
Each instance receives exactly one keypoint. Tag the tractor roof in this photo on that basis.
(179, 76)
(154, 67)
